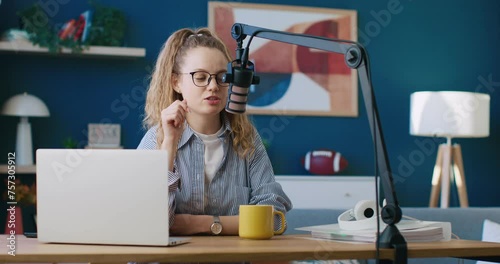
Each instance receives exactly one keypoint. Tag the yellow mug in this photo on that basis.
(257, 221)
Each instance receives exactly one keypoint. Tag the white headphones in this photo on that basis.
(359, 218)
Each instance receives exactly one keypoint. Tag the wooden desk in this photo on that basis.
(233, 248)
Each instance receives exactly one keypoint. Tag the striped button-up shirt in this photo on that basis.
(237, 181)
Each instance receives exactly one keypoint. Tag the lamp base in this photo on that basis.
(24, 150)
(449, 166)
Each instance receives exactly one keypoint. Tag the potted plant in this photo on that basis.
(105, 25)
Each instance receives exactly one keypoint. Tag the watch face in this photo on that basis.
(216, 228)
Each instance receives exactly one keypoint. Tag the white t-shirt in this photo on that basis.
(213, 153)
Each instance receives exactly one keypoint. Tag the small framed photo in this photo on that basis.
(104, 135)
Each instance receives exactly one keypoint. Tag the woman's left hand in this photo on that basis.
(187, 224)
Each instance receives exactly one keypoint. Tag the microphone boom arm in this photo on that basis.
(355, 58)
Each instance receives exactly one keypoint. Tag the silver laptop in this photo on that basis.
(103, 196)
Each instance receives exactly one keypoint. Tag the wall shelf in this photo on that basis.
(28, 169)
(23, 47)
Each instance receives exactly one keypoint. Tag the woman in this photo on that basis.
(217, 159)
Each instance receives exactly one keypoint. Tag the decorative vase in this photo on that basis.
(14, 221)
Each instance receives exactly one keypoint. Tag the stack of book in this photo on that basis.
(411, 230)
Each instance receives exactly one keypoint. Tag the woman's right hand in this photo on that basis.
(172, 123)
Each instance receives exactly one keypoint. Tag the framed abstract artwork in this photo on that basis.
(294, 80)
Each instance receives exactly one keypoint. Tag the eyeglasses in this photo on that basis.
(203, 78)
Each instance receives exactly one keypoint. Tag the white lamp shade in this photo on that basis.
(25, 105)
(450, 114)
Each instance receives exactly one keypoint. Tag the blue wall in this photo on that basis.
(427, 45)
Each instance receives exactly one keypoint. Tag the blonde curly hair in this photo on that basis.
(161, 91)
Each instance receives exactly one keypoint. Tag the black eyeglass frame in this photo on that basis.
(221, 84)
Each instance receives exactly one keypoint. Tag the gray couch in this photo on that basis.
(466, 223)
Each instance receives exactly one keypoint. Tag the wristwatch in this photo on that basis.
(216, 226)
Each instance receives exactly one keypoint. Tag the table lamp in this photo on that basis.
(449, 114)
(24, 105)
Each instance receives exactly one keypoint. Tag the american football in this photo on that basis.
(324, 162)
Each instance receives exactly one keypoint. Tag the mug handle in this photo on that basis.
(283, 222)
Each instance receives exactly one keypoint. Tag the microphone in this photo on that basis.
(240, 75)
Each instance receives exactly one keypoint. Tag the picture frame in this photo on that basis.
(294, 80)
(104, 135)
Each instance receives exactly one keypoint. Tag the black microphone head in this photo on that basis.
(240, 79)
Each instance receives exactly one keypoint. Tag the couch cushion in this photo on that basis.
(491, 233)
